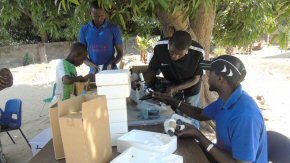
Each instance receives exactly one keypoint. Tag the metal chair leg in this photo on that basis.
(10, 137)
(41, 110)
(25, 138)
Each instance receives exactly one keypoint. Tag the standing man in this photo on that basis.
(240, 128)
(102, 38)
(178, 59)
(6, 80)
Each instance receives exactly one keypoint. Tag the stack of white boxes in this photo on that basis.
(116, 85)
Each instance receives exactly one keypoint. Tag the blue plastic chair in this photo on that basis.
(48, 100)
(278, 147)
(11, 118)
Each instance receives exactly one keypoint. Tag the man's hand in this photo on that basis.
(171, 91)
(89, 63)
(81, 79)
(109, 67)
(161, 96)
(189, 131)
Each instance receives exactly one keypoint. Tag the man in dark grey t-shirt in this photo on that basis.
(178, 59)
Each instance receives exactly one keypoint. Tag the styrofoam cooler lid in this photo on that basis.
(113, 77)
(137, 155)
(42, 137)
(147, 140)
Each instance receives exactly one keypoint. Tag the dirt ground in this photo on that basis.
(268, 80)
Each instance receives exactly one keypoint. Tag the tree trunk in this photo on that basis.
(44, 37)
(203, 25)
(42, 53)
(42, 48)
(176, 20)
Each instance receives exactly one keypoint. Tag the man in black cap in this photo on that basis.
(240, 129)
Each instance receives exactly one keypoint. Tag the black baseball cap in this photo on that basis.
(230, 67)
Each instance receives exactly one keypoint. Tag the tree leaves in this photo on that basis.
(164, 4)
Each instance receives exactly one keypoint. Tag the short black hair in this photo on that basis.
(95, 5)
(78, 49)
(181, 40)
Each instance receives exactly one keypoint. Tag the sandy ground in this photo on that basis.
(268, 79)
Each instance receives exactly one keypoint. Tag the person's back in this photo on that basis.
(240, 128)
(240, 125)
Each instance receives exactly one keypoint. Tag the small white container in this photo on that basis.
(114, 138)
(118, 115)
(119, 127)
(115, 91)
(152, 141)
(137, 155)
(117, 103)
(113, 77)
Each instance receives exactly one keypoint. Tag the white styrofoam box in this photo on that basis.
(119, 127)
(118, 115)
(113, 77)
(116, 103)
(114, 138)
(115, 91)
(137, 155)
(40, 140)
(147, 140)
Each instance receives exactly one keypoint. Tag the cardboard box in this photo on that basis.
(56, 135)
(79, 86)
(139, 68)
(85, 130)
(113, 77)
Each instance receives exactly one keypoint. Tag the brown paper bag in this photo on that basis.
(56, 135)
(85, 130)
(79, 87)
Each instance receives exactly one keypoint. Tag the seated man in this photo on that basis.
(178, 59)
(240, 128)
(6, 80)
(66, 74)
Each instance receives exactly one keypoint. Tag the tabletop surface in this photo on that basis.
(187, 148)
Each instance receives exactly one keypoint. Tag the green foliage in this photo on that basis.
(241, 23)
(27, 60)
(219, 51)
(144, 43)
(39, 18)
(238, 22)
(281, 26)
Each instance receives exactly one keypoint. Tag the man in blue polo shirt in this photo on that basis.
(240, 129)
(101, 38)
